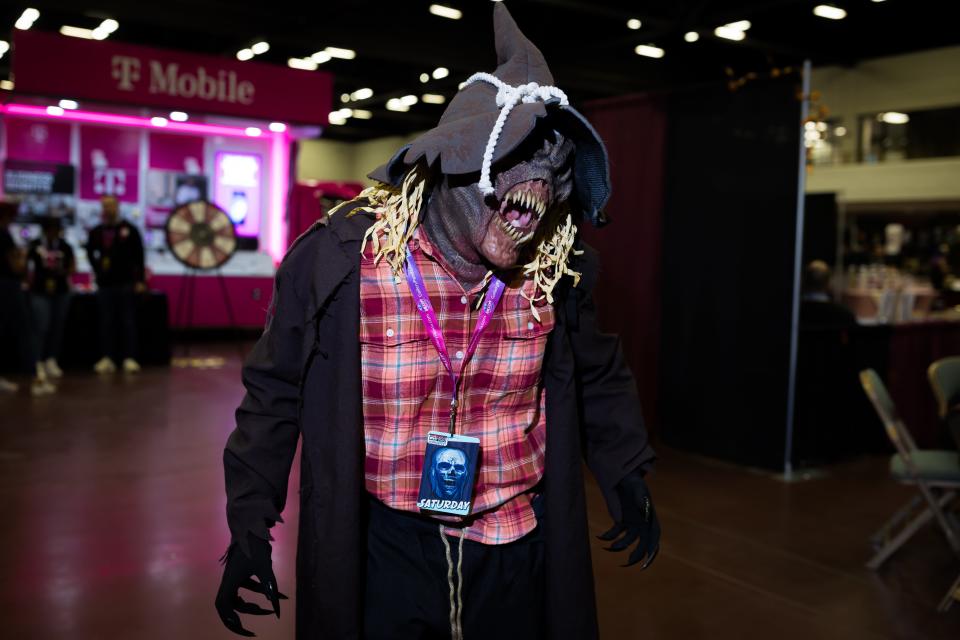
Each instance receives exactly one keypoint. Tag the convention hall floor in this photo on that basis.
(112, 494)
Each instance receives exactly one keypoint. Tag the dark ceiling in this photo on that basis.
(587, 43)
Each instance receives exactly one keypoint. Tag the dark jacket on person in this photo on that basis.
(116, 254)
(303, 379)
(52, 264)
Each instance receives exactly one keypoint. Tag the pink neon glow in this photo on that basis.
(279, 155)
(32, 111)
(279, 173)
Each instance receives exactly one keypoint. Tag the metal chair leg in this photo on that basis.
(953, 594)
(935, 507)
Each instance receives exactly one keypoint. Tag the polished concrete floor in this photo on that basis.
(113, 503)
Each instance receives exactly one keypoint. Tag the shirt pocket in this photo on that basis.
(520, 356)
(399, 363)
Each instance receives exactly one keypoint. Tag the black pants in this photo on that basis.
(16, 343)
(49, 314)
(407, 593)
(117, 305)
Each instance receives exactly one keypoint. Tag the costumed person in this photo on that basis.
(435, 345)
(115, 250)
(51, 264)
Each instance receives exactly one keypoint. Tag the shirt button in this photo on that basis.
(529, 326)
(463, 299)
(459, 355)
(396, 279)
(389, 333)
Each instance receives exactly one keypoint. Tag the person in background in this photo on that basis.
(817, 308)
(14, 317)
(51, 262)
(115, 251)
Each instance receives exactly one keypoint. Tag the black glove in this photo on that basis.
(238, 573)
(638, 519)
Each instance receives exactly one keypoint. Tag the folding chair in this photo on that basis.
(944, 375)
(935, 473)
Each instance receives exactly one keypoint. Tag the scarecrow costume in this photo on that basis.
(443, 426)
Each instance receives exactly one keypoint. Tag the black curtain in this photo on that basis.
(731, 173)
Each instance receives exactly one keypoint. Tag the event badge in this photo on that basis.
(449, 468)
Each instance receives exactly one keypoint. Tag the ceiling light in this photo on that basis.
(822, 126)
(433, 98)
(157, 121)
(691, 36)
(362, 94)
(424, 77)
(99, 34)
(649, 51)
(729, 34)
(394, 104)
(345, 112)
(260, 47)
(344, 97)
(634, 24)
(76, 32)
(343, 54)
(894, 117)
(306, 64)
(178, 116)
(739, 25)
(109, 25)
(841, 130)
(320, 57)
(440, 73)
(334, 118)
(6, 85)
(55, 111)
(809, 125)
(68, 104)
(253, 132)
(244, 54)
(829, 12)
(445, 12)
(278, 127)
(4, 47)
(362, 114)
(409, 100)
(26, 19)
(876, 0)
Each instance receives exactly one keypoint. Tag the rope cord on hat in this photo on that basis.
(508, 97)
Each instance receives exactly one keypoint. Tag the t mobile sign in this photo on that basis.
(107, 71)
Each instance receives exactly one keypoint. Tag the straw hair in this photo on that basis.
(398, 213)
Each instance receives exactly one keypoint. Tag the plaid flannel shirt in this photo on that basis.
(406, 392)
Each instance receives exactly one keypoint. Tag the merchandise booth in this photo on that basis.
(160, 130)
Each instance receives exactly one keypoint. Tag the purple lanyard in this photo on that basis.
(432, 324)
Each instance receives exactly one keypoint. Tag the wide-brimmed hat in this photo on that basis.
(523, 79)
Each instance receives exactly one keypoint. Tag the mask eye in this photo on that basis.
(459, 468)
(443, 466)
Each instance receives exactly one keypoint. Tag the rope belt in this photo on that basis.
(507, 98)
(456, 594)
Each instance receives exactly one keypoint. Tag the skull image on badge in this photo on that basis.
(446, 485)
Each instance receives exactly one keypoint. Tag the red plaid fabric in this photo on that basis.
(406, 392)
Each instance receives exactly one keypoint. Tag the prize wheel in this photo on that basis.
(201, 235)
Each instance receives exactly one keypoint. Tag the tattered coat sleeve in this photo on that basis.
(260, 450)
(615, 438)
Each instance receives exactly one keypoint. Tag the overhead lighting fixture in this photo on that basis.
(244, 54)
(446, 12)
(424, 77)
(433, 98)
(362, 94)
(321, 56)
(68, 104)
(829, 12)
(6, 85)
(253, 132)
(277, 127)
(440, 73)
(179, 116)
(157, 121)
(76, 32)
(343, 54)
(55, 111)
(410, 100)
(634, 24)
(362, 114)
(26, 19)
(4, 47)
(649, 51)
(105, 28)
(691, 36)
(894, 117)
(337, 117)
(841, 130)
(729, 34)
(260, 47)
(395, 104)
(306, 64)
(739, 25)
